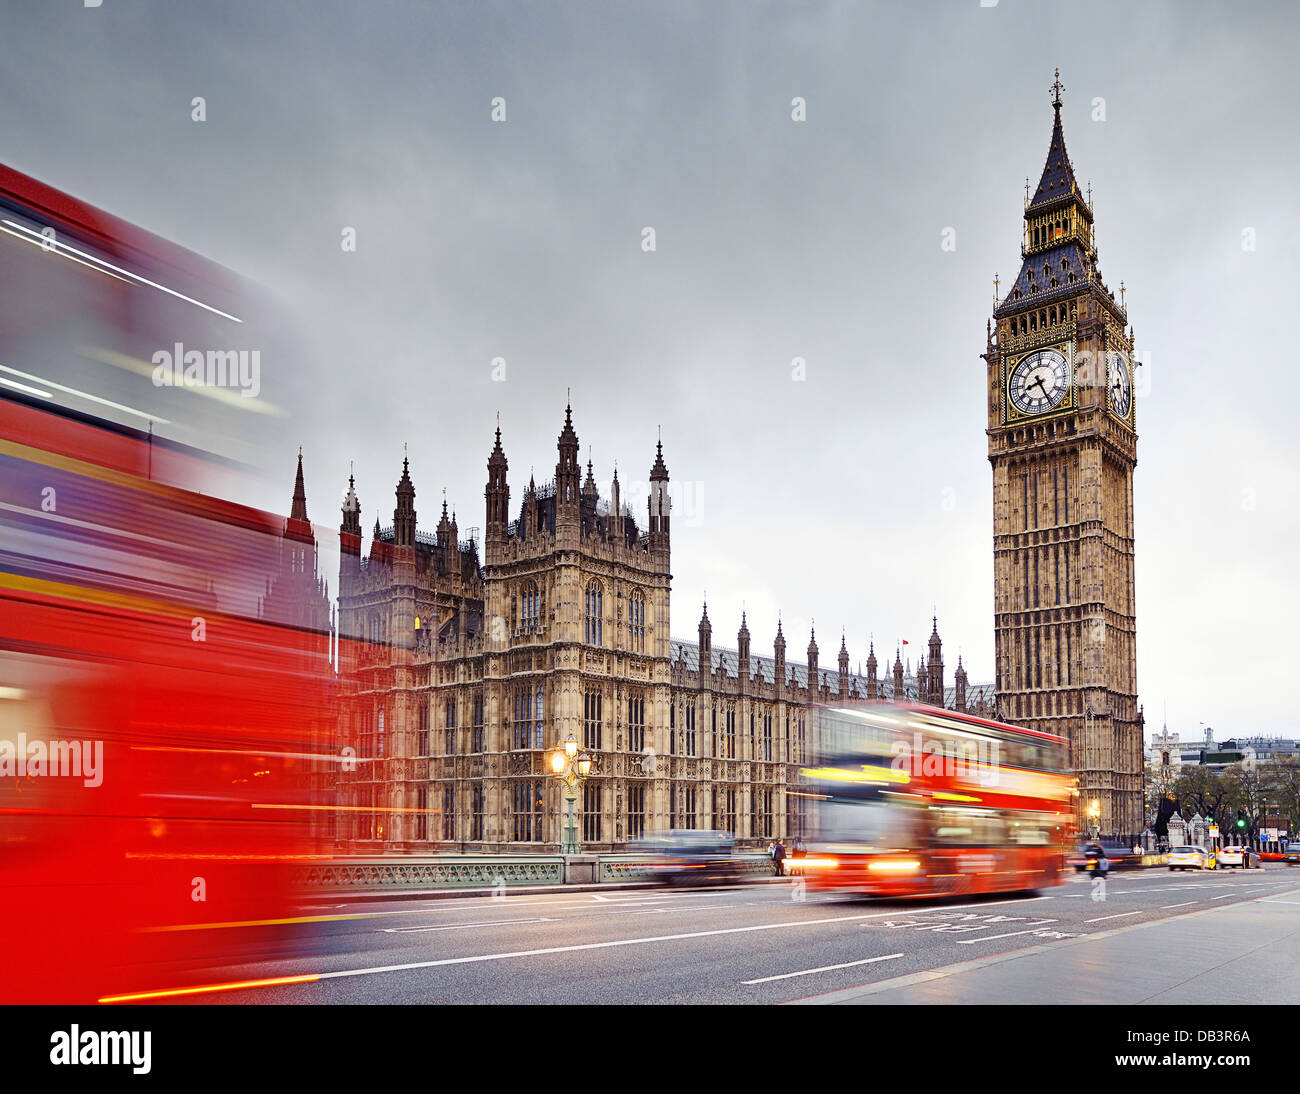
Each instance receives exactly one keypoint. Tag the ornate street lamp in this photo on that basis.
(572, 770)
(1094, 814)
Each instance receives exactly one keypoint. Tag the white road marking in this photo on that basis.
(378, 969)
(463, 926)
(1119, 915)
(824, 968)
(1011, 934)
(1277, 902)
(1182, 905)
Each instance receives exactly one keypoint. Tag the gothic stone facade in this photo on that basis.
(459, 672)
(1062, 440)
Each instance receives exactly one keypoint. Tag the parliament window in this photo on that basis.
(530, 603)
(449, 728)
(527, 800)
(729, 741)
(591, 812)
(477, 744)
(690, 818)
(593, 615)
(422, 729)
(636, 623)
(690, 727)
(591, 720)
(421, 814)
(476, 811)
(449, 812)
(636, 723)
(528, 716)
(635, 811)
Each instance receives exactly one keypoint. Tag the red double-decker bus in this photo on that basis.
(165, 714)
(916, 801)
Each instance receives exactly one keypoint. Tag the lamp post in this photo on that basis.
(1094, 815)
(572, 770)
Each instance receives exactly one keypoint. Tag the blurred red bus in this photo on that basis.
(165, 709)
(918, 801)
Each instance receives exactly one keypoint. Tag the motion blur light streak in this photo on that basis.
(234, 985)
(85, 395)
(59, 247)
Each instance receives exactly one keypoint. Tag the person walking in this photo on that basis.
(778, 858)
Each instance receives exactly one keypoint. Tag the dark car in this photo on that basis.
(1292, 854)
(690, 856)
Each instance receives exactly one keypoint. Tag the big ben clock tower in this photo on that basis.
(1063, 445)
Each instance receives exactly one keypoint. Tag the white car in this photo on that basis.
(1189, 858)
(1230, 856)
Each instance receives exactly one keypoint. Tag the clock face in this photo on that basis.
(1040, 381)
(1121, 386)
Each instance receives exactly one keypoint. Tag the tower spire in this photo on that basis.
(299, 508)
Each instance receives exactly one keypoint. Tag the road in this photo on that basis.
(763, 943)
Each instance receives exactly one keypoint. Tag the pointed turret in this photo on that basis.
(706, 646)
(659, 503)
(497, 492)
(443, 531)
(959, 688)
(935, 682)
(873, 688)
(404, 513)
(566, 469)
(812, 659)
(742, 646)
(299, 509)
(351, 511)
(844, 666)
(899, 693)
(778, 655)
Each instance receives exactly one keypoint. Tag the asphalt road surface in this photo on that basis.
(760, 943)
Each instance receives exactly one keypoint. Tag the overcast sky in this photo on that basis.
(860, 496)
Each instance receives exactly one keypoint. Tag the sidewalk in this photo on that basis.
(1240, 953)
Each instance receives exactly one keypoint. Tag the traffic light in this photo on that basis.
(1241, 818)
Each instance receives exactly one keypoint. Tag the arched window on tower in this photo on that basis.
(636, 622)
(530, 602)
(594, 615)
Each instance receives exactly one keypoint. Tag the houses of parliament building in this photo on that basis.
(462, 660)
(462, 663)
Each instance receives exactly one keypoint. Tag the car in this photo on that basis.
(1231, 856)
(1292, 854)
(690, 856)
(1190, 858)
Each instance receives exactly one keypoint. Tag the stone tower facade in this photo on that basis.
(1062, 440)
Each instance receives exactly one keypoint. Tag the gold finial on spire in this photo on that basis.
(1122, 291)
(997, 287)
(300, 452)
(1056, 89)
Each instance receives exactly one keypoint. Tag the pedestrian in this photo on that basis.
(778, 858)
